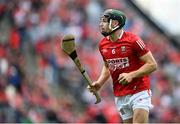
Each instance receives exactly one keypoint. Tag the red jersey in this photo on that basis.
(122, 56)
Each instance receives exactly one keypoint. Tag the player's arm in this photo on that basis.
(149, 66)
(104, 76)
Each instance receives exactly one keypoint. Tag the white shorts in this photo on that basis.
(127, 104)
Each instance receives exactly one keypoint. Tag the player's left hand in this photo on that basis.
(125, 78)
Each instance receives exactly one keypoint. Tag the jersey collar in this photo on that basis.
(120, 36)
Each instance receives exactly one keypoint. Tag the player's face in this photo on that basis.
(104, 25)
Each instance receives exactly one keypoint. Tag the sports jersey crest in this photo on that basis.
(123, 48)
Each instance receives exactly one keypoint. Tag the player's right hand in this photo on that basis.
(95, 86)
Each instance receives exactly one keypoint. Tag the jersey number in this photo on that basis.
(113, 51)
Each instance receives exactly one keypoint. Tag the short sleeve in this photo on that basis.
(101, 52)
(139, 47)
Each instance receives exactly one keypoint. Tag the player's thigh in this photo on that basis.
(124, 109)
(130, 120)
(140, 115)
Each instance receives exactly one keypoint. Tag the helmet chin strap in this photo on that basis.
(111, 28)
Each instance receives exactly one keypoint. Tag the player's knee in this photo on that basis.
(140, 116)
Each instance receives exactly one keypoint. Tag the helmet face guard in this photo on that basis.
(112, 14)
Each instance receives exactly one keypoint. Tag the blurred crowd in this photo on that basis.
(39, 83)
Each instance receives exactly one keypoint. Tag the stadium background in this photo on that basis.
(39, 83)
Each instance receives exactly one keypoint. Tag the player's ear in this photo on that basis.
(115, 23)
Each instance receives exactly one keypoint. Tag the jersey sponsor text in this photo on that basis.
(118, 63)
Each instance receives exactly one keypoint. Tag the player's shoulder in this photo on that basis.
(103, 40)
(130, 36)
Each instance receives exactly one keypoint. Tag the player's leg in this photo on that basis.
(141, 104)
(140, 116)
(126, 115)
(125, 111)
(128, 121)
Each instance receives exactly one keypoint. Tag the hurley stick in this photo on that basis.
(68, 46)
